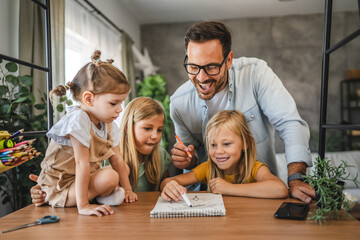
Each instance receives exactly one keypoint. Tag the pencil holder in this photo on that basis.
(4, 168)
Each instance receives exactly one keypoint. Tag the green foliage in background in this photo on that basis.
(17, 106)
(154, 86)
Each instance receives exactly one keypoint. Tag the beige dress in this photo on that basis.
(58, 166)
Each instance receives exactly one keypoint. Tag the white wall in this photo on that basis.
(113, 10)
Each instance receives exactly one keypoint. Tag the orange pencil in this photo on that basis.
(188, 153)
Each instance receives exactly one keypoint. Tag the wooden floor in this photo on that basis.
(246, 218)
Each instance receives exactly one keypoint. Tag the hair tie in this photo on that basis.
(68, 85)
(96, 61)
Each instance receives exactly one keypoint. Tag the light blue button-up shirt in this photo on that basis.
(258, 92)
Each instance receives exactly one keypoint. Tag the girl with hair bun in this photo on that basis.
(71, 172)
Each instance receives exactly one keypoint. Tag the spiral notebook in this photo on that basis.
(203, 205)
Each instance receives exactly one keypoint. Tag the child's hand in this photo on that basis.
(173, 191)
(130, 196)
(38, 196)
(98, 210)
(219, 185)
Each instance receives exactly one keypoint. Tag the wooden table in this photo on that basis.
(246, 218)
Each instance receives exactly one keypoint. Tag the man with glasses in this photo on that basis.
(220, 82)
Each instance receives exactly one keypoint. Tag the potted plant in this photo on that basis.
(328, 182)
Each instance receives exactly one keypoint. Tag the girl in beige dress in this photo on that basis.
(83, 138)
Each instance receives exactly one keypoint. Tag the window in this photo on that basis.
(86, 32)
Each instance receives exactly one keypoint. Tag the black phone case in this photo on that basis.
(295, 211)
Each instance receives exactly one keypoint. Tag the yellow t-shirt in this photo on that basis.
(202, 172)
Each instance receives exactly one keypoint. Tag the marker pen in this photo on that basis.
(186, 199)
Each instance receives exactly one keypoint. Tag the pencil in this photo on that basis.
(188, 153)
(13, 148)
(16, 139)
(6, 153)
(29, 142)
(17, 133)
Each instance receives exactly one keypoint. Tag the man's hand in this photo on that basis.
(300, 190)
(180, 158)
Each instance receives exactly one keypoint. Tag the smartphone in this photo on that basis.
(290, 210)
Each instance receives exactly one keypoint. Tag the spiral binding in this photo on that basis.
(196, 213)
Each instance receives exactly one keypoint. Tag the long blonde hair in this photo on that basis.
(235, 121)
(139, 109)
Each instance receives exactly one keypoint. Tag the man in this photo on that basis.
(219, 82)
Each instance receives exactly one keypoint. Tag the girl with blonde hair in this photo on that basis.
(141, 127)
(232, 167)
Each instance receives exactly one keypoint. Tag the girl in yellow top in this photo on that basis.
(231, 168)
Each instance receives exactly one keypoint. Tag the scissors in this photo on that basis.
(44, 220)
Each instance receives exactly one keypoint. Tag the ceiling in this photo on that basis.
(171, 11)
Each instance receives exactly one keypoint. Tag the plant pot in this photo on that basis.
(336, 193)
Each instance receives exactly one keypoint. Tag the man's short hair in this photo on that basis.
(206, 31)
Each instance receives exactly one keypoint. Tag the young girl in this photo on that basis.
(231, 168)
(146, 161)
(83, 138)
(142, 124)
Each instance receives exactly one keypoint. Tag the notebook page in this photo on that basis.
(203, 204)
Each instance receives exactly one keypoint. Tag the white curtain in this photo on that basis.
(84, 33)
(57, 14)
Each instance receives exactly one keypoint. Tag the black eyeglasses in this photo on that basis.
(210, 69)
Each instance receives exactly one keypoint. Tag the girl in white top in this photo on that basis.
(85, 137)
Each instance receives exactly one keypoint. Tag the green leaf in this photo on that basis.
(24, 89)
(11, 67)
(24, 108)
(20, 100)
(4, 108)
(60, 107)
(23, 92)
(3, 90)
(26, 80)
(40, 106)
(32, 98)
(1, 60)
(12, 79)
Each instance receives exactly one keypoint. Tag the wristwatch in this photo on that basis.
(295, 176)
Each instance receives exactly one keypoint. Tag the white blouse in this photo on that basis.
(78, 124)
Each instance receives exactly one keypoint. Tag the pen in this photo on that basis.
(188, 153)
(186, 199)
